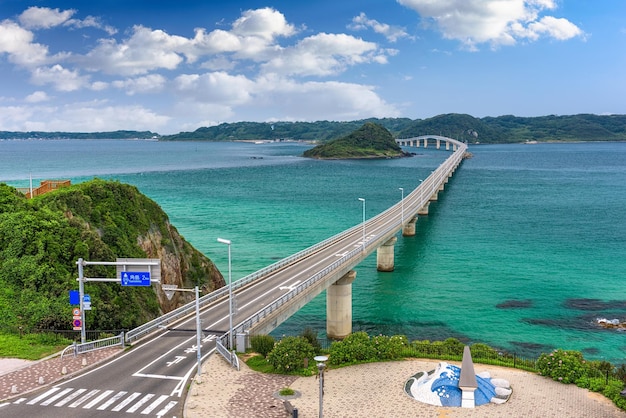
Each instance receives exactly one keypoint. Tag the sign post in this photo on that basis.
(144, 272)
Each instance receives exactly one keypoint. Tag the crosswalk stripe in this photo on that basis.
(112, 400)
(154, 404)
(71, 397)
(98, 399)
(166, 408)
(126, 402)
(146, 404)
(57, 396)
(83, 398)
(42, 396)
(141, 402)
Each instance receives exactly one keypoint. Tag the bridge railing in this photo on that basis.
(431, 184)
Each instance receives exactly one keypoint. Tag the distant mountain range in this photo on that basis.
(501, 129)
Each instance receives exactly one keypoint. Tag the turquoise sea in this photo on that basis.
(524, 249)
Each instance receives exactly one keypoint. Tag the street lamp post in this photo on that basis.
(230, 296)
(402, 212)
(320, 367)
(169, 290)
(363, 200)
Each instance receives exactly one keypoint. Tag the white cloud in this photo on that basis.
(79, 117)
(18, 43)
(146, 50)
(152, 83)
(61, 78)
(329, 100)
(496, 22)
(560, 29)
(321, 55)
(44, 18)
(37, 97)
(264, 23)
(217, 87)
(392, 33)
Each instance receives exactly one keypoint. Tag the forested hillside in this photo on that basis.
(41, 240)
(502, 129)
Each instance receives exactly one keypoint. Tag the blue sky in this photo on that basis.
(83, 66)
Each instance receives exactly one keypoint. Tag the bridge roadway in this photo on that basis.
(150, 379)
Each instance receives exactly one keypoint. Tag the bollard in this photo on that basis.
(41, 381)
(14, 389)
(64, 370)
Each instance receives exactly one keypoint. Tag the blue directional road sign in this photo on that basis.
(135, 278)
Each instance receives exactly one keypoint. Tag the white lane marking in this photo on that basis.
(112, 400)
(19, 401)
(166, 408)
(42, 396)
(98, 399)
(138, 373)
(154, 404)
(85, 397)
(55, 397)
(126, 402)
(139, 404)
(71, 397)
(178, 390)
(157, 376)
(291, 286)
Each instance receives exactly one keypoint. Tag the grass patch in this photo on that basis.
(31, 346)
(259, 363)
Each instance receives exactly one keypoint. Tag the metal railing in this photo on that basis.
(78, 348)
(230, 356)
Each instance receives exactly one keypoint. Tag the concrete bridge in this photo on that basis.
(263, 300)
(328, 265)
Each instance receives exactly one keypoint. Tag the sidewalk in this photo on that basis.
(19, 377)
(376, 390)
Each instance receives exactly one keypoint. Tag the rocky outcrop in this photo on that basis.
(180, 263)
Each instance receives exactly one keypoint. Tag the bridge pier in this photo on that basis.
(438, 143)
(408, 230)
(339, 307)
(424, 209)
(384, 255)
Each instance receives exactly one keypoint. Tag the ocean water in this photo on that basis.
(524, 249)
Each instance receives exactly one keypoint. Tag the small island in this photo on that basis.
(369, 141)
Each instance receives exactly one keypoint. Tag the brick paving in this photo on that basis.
(45, 372)
(377, 391)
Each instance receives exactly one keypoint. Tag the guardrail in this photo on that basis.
(230, 356)
(431, 184)
(95, 345)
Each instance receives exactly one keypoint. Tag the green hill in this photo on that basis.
(369, 141)
(41, 240)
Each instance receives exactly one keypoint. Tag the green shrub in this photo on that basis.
(388, 348)
(289, 353)
(563, 366)
(262, 344)
(311, 337)
(356, 347)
